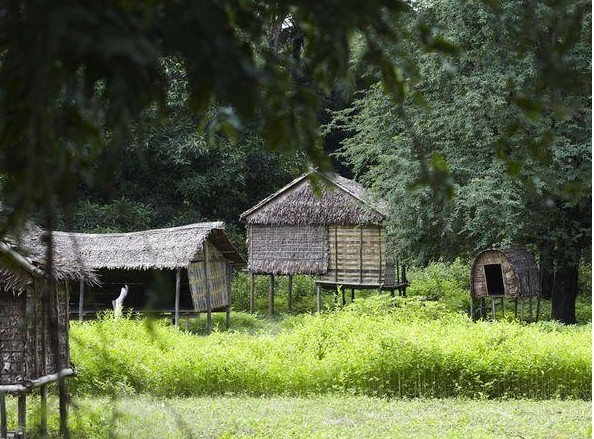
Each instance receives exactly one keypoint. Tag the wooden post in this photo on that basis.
(318, 298)
(206, 277)
(537, 308)
(530, 307)
(43, 409)
(22, 412)
(252, 291)
(290, 293)
(471, 308)
(502, 308)
(343, 299)
(228, 310)
(353, 294)
(81, 299)
(404, 280)
(522, 309)
(271, 296)
(335, 253)
(177, 288)
(63, 407)
(493, 307)
(516, 308)
(361, 255)
(3, 425)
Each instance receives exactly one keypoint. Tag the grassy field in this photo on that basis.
(337, 416)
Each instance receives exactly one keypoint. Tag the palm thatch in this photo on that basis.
(336, 200)
(169, 248)
(520, 276)
(24, 258)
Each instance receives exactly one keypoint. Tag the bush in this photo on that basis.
(415, 348)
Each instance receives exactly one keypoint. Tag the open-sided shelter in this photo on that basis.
(34, 347)
(499, 274)
(193, 261)
(323, 225)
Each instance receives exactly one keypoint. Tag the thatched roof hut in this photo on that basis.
(186, 249)
(325, 225)
(33, 319)
(510, 272)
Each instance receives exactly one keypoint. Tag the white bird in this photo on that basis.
(118, 304)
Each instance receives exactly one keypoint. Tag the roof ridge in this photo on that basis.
(204, 225)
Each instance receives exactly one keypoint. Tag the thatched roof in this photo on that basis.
(340, 202)
(169, 248)
(522, 263)
(23, 258)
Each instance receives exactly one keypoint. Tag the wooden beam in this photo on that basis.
(206, 277)
(271, 296)
(290, 293)
(22, 412)
(43, 410)
(3, 421)
(252, 291)
(318, 297)
(81, 299)
(177, 293)
(228, 310)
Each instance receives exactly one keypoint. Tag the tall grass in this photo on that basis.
(413, 349)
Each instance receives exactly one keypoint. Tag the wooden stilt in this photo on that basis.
(516, 308)
(207, 289)
(81, 300)
(537, 308)
(521, 309)
(3, 421)
(252, 291)
(343, 298)
(493, 308)
(530, 308)
(271, 296)
(352, 294)
(63, 407)
(228, 310)
(228, 317)
(290, 293)
(471, 308)
(318, 298)
(481, 306)
(502, 308)
(177, 293)
(43, 409)
(22, 412)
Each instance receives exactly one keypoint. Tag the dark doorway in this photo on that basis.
(494, 278)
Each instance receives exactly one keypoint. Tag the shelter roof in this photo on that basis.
(169, 248)
(318, 198)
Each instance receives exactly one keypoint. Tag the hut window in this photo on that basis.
(494, 279)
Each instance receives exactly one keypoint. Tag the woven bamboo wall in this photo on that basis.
(519, 271)
(287, 249)
(217, 281)
(25, 342)
(357, 255)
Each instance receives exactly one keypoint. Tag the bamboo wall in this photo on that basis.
(357, 256)
(25, 342)
(511, 281)
(218, 281)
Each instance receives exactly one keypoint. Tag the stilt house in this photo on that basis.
(33, 301)
(181, 267)
(499, 274)
(323, 225)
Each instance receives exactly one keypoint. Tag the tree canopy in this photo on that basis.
(495, 125)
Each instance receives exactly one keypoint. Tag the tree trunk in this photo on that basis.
(564, 294)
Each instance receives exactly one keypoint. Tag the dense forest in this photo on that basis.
(474, 136)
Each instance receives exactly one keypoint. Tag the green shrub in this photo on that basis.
(415, 348)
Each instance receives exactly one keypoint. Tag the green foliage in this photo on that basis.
(413, 349)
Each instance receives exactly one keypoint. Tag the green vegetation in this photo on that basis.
(413, 349)
(320, 417)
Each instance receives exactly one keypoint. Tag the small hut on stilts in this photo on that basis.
(34, 349)
(504, 274)
(323, 225)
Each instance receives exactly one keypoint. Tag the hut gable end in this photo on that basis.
(341, 202)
